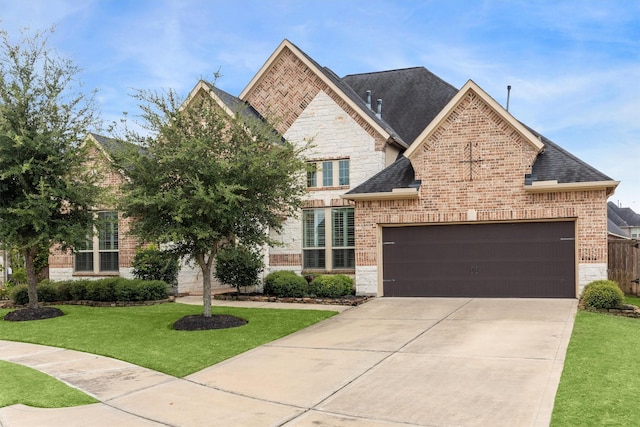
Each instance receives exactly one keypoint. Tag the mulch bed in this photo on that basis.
(40, 313)
(200, 323)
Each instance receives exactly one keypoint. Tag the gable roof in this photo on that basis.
(554, 169)
(471, 86)
(226, 101)
(411, 97)
(113, 147)
(116, 151)
(336, 84)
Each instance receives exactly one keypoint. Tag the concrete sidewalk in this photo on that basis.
(389, 362)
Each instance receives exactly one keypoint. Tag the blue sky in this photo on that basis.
(574, 66)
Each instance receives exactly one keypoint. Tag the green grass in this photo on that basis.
(47, 391)
(632, 300)
(599, 384)
(143, 335)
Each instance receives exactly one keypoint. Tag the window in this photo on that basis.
(313, 238)
(343, 241)
(317, 253)
(328, 173)
(343, 172)
(100, 252)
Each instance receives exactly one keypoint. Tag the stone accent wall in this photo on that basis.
(333, 135)
(489, 190)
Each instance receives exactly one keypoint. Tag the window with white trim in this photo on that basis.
(328, 173)
(100, 254)
(328, 245)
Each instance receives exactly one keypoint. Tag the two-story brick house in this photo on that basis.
(418, 188)
(423, 189)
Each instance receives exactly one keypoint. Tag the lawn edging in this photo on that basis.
(625, 310)
(348, 300)
(91, 303)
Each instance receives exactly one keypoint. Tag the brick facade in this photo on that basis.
(61, 263)
(491, 189)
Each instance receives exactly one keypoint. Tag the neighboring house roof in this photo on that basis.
(411, 97)
(613, 229)
(623, 217)
(615, 223)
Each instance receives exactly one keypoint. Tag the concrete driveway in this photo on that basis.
(389, 362)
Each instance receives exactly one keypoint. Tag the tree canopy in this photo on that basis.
(208, 177)
(46, 190)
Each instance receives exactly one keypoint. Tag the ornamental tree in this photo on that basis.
(208, 177)
(46, 190)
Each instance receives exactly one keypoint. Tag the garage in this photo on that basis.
(521, 260)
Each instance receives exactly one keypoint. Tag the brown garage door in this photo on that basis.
(529, 259)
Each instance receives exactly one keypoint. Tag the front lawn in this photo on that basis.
(600, 384)
(143, 335)
(21, 384)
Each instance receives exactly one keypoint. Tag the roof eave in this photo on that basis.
(554, 186)
(395, 194)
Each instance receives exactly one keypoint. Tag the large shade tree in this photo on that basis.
(208, 177)
(46, 190)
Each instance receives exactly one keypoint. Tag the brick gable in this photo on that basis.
(288, 86)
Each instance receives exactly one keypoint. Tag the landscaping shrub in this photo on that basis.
(79, 289)
(149, 290)
(285, 283)
(19, 294)
(331, 286)
(602, 294)
(64, 290)
(47, 291)
(102, 290)
(239, 266)
(155, 264)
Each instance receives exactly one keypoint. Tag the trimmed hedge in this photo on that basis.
(284, 284)
(331, 286)
(602, 294)
(103, 290)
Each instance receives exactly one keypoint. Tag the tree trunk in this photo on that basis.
(205, 267)
(32, 280)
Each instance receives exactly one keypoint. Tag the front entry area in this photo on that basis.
(523, 259)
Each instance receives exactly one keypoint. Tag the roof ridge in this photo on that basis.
(389, 71)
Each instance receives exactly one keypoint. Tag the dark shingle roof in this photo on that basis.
(399, 174)
(411, 97)
(555, 163)
(623, 217)
(613, 228)
(114, 147)
(235, 104)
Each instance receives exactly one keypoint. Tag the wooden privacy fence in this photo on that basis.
(624, 265)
